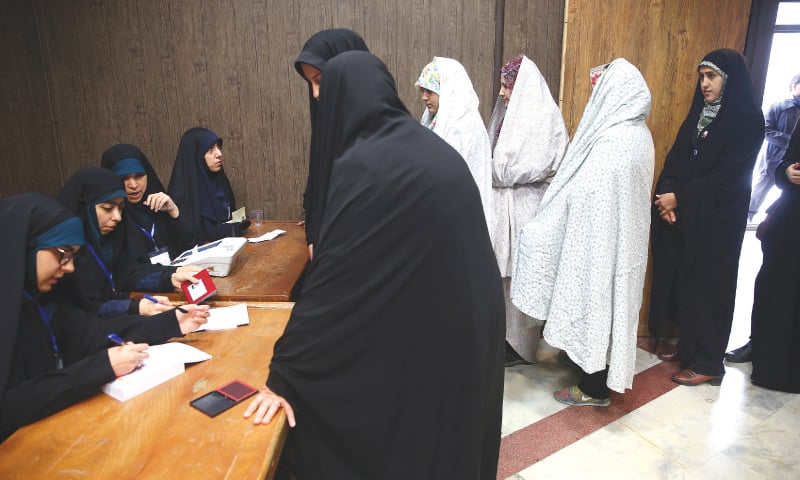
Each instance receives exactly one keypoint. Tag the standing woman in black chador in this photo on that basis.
(105, 274)
(700, 214)
(392, 360)
(52, 353)
(159, 231)
(201, 188)
(776, 300)
(321, 47)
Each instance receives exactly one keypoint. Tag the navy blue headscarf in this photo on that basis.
(200, 192)
(83, 191)
(31, 222)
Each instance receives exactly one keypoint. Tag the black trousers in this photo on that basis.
(594, 384)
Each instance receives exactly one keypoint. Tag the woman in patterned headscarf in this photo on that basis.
(582, 260)
(528, 139)
(452, 113)
(700, 214)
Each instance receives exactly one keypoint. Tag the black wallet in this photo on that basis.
(217, 401)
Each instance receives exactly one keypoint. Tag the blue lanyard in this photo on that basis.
(151, 234)
(46, 320)
(109, 276)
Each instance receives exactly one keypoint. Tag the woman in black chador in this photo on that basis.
(106, 273)
(202, 189)
(52, 352)
(157, 228)
(700, 214)
(776, 301)
(392, 360)
(321, 47)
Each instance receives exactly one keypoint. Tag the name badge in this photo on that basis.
(160, 257)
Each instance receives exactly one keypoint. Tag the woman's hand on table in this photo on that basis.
(127, 358)
(148, 307)
(265, 405)
(191, 316)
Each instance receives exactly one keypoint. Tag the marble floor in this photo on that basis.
(657, 430)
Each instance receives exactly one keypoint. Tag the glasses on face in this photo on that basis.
(65, 255)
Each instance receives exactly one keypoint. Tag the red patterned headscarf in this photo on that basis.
(510, 71)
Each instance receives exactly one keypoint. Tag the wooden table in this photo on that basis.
(158, 434)
(266, 271)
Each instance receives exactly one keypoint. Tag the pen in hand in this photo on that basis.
(150, 297)
(119, 341)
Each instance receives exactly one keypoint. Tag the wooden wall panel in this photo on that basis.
(29, 159)
(665, 39)
(536, 28)
(144, 71)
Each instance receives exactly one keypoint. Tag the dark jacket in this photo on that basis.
(780, 121)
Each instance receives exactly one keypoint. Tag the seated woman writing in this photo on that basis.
(53, 353)
(105, 274)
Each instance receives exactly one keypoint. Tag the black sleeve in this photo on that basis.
(82, 340)
(129, 273)
(47, 393)
(82, 333)
(212, 231)
(180, 235)
(222, 230)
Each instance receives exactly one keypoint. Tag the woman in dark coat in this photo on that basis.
(776, 301)
(105, 274)
(158, 227)
(392, 360)
(52, 353)
(700, 214)
(201, 187)
(321, 47)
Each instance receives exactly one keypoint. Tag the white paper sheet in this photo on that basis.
(223, 318)
(165, 361)
(267, 236)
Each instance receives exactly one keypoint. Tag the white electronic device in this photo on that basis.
(219, 257)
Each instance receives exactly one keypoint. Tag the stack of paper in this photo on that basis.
(166, 361)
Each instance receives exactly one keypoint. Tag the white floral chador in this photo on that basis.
(458, 122)
(529, 139)
(582, 260)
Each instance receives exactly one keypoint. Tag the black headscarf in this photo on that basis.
(738, 96)
(24, 218)
(395, 349)
(710, 172)
(321, 47)
(85, 189)
(200, 192)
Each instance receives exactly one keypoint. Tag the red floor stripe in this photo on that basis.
(539, 440)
